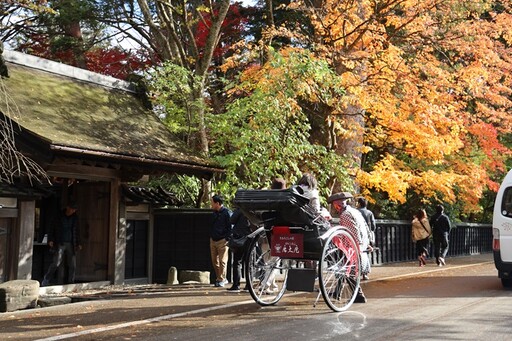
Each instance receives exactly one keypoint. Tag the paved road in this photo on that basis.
(462, 301)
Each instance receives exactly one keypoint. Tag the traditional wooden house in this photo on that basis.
(92, 135)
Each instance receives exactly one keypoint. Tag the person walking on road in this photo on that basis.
(370, 222)
(368, 216)
(441, 227)
(421, 232)
(220, 233)
(352, 219)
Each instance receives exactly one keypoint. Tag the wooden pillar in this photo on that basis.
(25, 239)
(8, 243)
(119, 276)
(113, 254)
(151, 236)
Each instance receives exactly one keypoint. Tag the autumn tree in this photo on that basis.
(60, 24)
(427, 93)
(267, 132)
(410, 112)
(186, 33)
(71, 32)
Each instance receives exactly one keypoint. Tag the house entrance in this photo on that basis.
(136, 257)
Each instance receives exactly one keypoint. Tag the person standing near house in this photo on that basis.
(64, 241)
(220, 233)
(241, 229)
(441, 227)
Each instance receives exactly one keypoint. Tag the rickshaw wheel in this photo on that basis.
(265, 274)
(339, 270)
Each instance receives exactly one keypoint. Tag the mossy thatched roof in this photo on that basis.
(78, 115)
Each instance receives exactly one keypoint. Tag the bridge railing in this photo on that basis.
(394, 243)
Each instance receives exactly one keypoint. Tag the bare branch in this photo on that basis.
(13, 164)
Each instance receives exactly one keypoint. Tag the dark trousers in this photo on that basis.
(441, 243)
(64, 250)
(422, 247)
(238, 257)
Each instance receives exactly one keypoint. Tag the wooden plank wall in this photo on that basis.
(181, 239)
(94, 204)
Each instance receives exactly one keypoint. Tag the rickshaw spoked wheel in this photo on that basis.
(265, 274)
(339, 269)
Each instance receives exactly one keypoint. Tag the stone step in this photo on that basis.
(18, 294)
(53, 301)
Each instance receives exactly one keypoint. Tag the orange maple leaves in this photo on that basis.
(433, 79)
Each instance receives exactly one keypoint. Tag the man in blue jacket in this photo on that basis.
(220, 233)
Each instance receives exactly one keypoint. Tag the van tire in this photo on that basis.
(506, 282)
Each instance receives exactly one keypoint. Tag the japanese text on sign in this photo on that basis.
(288, 245)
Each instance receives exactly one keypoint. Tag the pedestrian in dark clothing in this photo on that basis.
(440, 232)
(220, 233)
(370, 222)
(64, 241)
(368, 216)
(241, 228)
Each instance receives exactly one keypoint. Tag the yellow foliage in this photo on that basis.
(426, 93)
(387, 177)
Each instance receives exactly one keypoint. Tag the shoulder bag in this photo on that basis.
(236, 242)
(429, 233)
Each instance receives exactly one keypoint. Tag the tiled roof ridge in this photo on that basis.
(156, 196)
(66, 70)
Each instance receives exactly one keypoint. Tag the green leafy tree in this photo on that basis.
(427, 94)
(186, 188)
(172, 89)
(268, 132)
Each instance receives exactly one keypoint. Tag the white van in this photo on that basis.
(502, 231)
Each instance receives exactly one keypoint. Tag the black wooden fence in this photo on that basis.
(181, 239)
(394, 243)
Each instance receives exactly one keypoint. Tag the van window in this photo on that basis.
(506, 204)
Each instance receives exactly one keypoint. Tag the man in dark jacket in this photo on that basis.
(220, 233)
(441, 226)
(368, 216)
(64, 241)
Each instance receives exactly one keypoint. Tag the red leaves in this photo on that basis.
(116, 62)
(112, 61)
